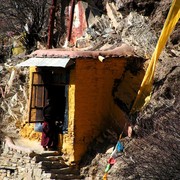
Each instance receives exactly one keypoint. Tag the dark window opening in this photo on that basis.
(57, 96)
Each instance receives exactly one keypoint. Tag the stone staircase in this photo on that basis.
(20, 163)
(54, 165)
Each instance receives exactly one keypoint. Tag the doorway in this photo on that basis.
(58, 100)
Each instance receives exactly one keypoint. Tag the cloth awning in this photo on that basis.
(47, 62)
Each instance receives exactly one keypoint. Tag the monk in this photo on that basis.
(49, 139)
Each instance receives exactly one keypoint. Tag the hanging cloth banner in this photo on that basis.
(144, 92)
(112, 160)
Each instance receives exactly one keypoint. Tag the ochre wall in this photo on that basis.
(68, 139)
(94, 105)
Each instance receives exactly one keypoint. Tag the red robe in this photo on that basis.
(49, 135)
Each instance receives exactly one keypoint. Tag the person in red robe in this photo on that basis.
(49, 139)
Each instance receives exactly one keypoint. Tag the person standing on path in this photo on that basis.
(49, 139)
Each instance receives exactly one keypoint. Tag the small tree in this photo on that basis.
(30, 16)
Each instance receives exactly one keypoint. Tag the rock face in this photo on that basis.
(154, 151)
(13, 96)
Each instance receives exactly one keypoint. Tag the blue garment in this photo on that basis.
(119, 146)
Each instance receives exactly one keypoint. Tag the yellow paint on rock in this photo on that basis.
(18, 47)
(28, 132)
(18, 50)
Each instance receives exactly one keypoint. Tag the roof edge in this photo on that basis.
(123, 50)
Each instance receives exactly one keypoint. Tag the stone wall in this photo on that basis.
(20, 163)
(94, 104)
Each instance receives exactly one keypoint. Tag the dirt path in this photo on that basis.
(24, 142)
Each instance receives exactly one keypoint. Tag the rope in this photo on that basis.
(120, 136)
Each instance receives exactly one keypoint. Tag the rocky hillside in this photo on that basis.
(13, 96)
(153, 151)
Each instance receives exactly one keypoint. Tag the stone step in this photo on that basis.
(65, 170)
(54, 158)
(4, 155)
(51, 165)
(4, 162)
(8, 168)
(50, 153)
(48, 158)
(65, 177)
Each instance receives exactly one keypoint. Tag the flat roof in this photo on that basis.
(123, 50)
(47, 62)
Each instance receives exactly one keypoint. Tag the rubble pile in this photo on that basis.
(13, 96)
(133, 30)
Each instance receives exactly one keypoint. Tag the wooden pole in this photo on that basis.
(71, 20)
(51, 24)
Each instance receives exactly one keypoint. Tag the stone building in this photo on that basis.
(91, 90)
(92, 86)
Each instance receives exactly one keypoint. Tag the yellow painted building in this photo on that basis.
(88, 93)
